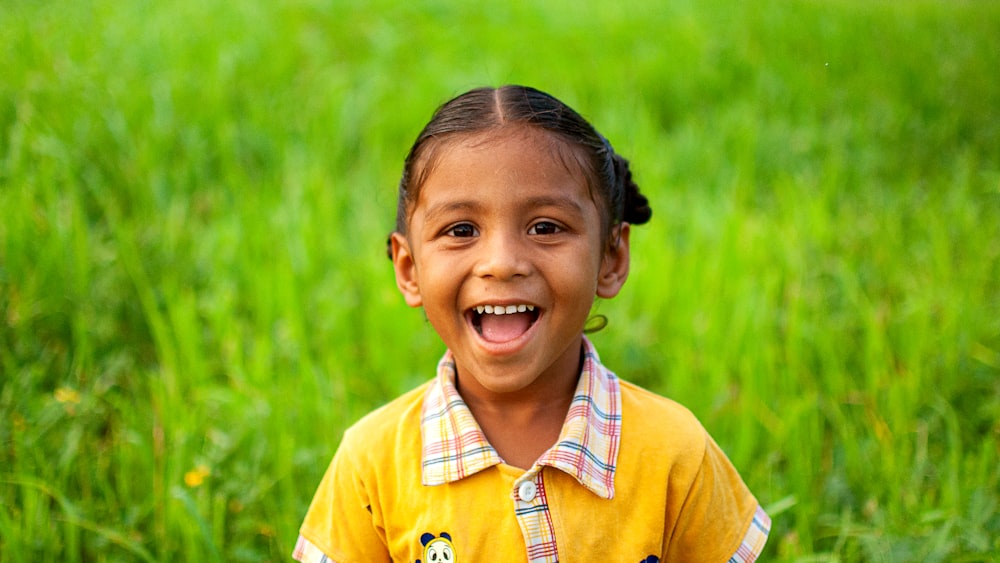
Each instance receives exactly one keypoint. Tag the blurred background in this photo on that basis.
(195, 300)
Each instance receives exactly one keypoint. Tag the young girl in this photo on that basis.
(514, 214)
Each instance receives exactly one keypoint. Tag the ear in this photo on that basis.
(614, 265)
(405, 267)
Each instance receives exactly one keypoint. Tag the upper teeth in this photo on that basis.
(503, 310)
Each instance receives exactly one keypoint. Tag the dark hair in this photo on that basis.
(483, 109)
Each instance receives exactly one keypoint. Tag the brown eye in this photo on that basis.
(544, 228)
(462, 230)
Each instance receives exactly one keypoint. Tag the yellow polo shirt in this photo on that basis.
(633, 477)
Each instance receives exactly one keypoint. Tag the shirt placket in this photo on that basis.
(531, 509)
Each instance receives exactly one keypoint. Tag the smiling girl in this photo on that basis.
(514, 215)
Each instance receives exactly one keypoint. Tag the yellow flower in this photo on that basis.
(196, 476)
(67, 395)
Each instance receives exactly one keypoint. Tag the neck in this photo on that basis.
(551, 388)
(522, 425)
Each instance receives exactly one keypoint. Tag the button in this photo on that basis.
(527, 491)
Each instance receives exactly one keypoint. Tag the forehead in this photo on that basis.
(505, 159)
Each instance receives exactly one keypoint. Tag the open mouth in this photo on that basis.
(503, 323)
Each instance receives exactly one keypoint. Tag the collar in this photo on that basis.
(455, 447)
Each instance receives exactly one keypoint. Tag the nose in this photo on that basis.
(504, 256)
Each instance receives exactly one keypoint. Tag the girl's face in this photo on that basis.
(504, 223)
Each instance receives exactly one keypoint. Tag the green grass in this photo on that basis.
(194, 199)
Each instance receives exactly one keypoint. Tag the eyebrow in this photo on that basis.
(451, 206)
(564, 203)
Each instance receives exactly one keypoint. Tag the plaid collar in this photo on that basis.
(455, 447)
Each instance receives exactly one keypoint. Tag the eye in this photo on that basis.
(461, 230)
(544, 228)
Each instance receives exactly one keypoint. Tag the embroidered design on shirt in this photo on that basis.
(651, 559)
(437, 549)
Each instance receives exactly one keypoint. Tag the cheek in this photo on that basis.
(438, 278)
(575, 279)
(440, 290)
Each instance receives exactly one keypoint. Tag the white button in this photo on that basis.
(527, 491)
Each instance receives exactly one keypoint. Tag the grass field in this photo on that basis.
(195, 300)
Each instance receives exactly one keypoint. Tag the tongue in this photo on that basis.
(502, 328)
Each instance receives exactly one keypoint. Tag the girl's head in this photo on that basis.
(513, 217)
(485, 110)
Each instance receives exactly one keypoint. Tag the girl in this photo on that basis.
(513, 215)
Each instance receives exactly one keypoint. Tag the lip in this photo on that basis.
(510, 346)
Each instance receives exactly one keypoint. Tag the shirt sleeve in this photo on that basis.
(720, 519)
(339, 526)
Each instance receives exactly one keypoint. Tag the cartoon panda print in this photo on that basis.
(437, 549)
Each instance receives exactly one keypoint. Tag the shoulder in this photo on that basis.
(660, 432)
(344, 519)
(666, 453)
(656, 414)
(396, 422)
